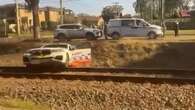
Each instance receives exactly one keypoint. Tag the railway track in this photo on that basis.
(104, 74)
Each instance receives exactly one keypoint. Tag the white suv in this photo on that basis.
(76, 31)
(132, 27)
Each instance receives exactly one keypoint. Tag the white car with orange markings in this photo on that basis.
(58, 54)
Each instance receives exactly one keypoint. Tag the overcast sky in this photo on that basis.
(92, 7)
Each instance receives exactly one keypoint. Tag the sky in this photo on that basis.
(92, 7)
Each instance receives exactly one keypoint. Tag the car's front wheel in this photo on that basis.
(90, 36)
(62, 37)
(152, 35)
(116, 36)
(30, 67)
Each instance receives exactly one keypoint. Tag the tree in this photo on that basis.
(172, 8)
(110, 12)
(34, 6)
(193, 17)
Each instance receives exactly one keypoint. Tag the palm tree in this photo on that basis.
(34, 6)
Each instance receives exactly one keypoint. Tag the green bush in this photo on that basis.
(51, 25)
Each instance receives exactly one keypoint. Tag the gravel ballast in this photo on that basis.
(97, 95)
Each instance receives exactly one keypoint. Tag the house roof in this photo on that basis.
(12, 5)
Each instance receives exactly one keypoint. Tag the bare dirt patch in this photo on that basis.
(65, 94)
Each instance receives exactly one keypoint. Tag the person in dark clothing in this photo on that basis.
(105, 31)
(176, 29)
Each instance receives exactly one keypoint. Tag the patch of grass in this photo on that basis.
(19, 104)
(30, 34)
(181, 32)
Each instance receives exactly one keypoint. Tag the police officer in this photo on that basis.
(105, 31)
(176, 28)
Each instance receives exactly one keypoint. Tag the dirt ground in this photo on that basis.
(98, 95)
(168, 52)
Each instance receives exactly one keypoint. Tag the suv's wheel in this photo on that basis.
(62, 37)
(152, 35)
(30, 67)
(116, 36)
(90, 36)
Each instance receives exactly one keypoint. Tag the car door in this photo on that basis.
(67, 30)
(141, 28)
(77, 31)
(127, 27)
(71, 31)
(63, 29)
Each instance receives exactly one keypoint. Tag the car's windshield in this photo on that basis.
(142, 23)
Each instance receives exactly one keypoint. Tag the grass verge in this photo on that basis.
(18, 104)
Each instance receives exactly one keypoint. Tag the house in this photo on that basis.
(25, 15)
(49, 17)
(53, 16)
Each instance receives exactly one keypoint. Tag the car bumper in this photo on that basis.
(41, 61)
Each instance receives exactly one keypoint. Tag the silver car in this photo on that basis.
(132, 27)
(76, 31)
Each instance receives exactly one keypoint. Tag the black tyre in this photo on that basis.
(152, 35)
(30, 67)
(90, 36)
(116, 36)
(62, 37)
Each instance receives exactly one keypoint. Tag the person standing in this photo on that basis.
(105, 31)
(176, 29)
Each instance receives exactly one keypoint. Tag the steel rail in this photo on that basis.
(103, 74)
(101, 70)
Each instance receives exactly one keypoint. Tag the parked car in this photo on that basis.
(170, 24)
(76, 31)
(132, 27)
(57, 54)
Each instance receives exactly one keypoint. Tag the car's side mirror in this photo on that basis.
(72, 48)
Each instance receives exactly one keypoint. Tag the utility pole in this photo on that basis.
(162, 10)
(140, 8)
(162, 15)
(61, 12)
(152, 11)
(17, 18)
